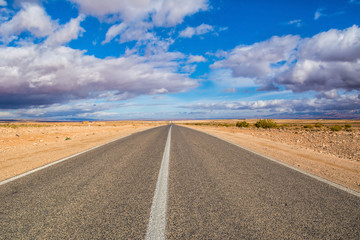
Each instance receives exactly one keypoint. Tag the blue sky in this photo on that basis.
(171, 59)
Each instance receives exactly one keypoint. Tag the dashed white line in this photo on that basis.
(157, 221)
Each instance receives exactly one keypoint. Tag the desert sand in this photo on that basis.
(28, 145)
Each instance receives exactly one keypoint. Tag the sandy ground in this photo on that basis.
(332, 155)
(28, 145)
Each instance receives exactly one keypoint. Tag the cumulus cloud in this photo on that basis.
(161, 12)
(136, 18)
(344, 104)
(333, 45)
(260, 59)
(31, 18)
(172, 12)
(39, 75)
(329, 60)
(309, 75)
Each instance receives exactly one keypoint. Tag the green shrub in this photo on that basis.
(347, 126)
(67, 138)
(309, 126)
(224, 125)
(335, 128)
(265, 123)
(318, 125)
(242, 124)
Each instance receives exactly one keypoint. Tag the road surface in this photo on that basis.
(203, 188)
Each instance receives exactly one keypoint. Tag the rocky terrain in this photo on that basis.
(342, 144)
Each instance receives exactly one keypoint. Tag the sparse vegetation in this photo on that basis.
(216, 124)
(21, 125)
(309, 126)
(67, 138)
(335, 128)
(242, 124)
(266, 123)
(347, 126)
(318, 125)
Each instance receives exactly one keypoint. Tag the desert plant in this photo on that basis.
(347, 126)
(335, 128)
(318, 125)
(67, 138)
(266, 123)
(242, 124)
(309, 126)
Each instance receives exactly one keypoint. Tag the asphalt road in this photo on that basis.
(215, 190)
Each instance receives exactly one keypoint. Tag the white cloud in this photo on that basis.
(127, 33)
(161, 12)
(3, 3)
(255, 61)
(139, 16)
(40, 75)
(296, 22)
(196, 59)
(173, 12)
(32, 18)
(333, 45)
(189, 32)
(343, 104)
(327, 61)
(321, 76)
(67, 32)
(319, 13)
(114, 31)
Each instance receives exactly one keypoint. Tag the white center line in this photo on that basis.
(157, 221)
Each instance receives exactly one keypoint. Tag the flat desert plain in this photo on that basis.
(310, 145)
(28, 145)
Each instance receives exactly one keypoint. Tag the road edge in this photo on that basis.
(67, 158)
(333, 184)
